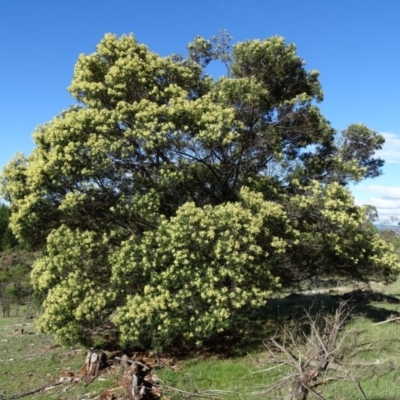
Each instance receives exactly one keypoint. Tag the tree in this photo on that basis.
(14, 287)
(172, 204)
(7, 239)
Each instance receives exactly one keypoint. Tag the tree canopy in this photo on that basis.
(171, 204)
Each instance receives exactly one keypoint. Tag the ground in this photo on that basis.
(30, 360)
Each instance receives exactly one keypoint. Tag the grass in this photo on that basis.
(31, 359)
(366, 343)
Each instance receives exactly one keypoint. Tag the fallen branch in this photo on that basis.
(48, 386)
(315, 393)
(275, 386)
(132, 362)
(386, 321)
(358, 386)
(268, 369)
(315, 355)
(203, 395)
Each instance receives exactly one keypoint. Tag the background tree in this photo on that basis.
(7, 239)
(15, 286)
(166, 185)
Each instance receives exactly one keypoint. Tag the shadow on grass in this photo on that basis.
(295, 305)
(290, 311)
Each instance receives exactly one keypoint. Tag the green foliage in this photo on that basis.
(334, 239)
(14, 285)
(205, 270)
(74, 275)
(391, 235)
(201, 271)
(7, 239)
(172, 205)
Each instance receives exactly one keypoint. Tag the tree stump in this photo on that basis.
(138, 382)
(95, 361)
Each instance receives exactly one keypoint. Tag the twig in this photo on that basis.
(276, 385)
(268, 369)
(328, 380)
(367, 364)
(314, 392)
(387, 320)
(132, 362)
(47, 386)
(358, 386)
(287, 352)
(197, 394)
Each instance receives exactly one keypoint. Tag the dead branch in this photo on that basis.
(95, 361)
(47, 386)
(203, 395)
(278, 384)
(125, 359)
(289, 355)
(388, 320)
(268, 369)
(315, 353)
(358, 386)
(315, 393)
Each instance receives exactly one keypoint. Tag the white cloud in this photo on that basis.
(386, 204)
(391, 149)
(385, 192)
(385, 198)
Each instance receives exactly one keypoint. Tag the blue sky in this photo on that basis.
(353, 43)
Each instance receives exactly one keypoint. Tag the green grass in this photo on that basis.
(30, 360)
(239, 377)
(366, 343)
